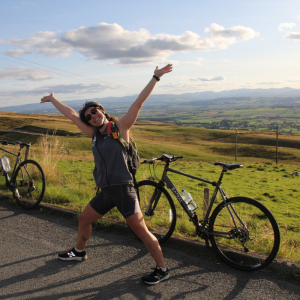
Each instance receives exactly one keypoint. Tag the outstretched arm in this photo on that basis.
(69, 113)
(130, 117)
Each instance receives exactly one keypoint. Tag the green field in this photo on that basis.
(244, 113)
(70, 181)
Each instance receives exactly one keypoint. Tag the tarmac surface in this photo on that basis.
(31, 239)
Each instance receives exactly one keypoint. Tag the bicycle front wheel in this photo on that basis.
(29, 184)
(253, 242)
(158, 209)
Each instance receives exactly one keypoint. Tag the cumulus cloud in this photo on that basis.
(282, 26)
(219, 32)
(23, 73)
(124, 47)
(293, 36)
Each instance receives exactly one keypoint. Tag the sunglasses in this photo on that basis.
(88, 117)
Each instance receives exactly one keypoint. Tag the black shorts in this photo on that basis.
(122, 196)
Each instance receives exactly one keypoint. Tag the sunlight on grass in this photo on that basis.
(70, 183)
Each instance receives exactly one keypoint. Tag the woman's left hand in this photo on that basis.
(160, 72)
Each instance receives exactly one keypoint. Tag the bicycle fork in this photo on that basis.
(236, 232)
(153, 201)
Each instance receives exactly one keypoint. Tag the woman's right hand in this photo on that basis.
(48, 98)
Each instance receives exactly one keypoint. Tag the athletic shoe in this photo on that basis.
(73, 255)
(156, 276)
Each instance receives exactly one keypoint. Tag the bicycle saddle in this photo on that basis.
(22, 144)
(228, 166)
(5, 143)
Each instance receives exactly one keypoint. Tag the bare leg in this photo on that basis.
(86, 218)
(137, 224)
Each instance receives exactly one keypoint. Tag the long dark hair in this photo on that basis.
(111, 118)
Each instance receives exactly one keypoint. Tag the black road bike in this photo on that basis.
(26, 180)
(242, 231)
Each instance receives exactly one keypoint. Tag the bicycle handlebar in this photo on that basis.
(164, 157)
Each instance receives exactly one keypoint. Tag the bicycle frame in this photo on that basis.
(18, 162)
(222, 226)
(200, 228)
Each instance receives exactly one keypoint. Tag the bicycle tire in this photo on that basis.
(162, 223)
(256, 245)
(29, 181)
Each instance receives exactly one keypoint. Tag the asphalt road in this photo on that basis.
(30, 241)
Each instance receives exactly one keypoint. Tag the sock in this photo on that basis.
(163, 269)
(78, 250)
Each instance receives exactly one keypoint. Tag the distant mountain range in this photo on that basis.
(118, 105)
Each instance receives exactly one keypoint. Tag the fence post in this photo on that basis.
(27, 152)
(205, 201)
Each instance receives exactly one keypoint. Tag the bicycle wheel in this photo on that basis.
(256, 242)
(29, 183)
(161, 219)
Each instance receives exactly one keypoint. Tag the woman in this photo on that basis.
(112, 176)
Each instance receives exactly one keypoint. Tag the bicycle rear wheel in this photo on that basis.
(256, 242)
(161, 219)
(29, 183)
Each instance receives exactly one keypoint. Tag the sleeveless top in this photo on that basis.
(110, 159)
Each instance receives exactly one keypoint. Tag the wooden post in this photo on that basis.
(27, 152)
(277, 145)
(236, 144)
(205, 201)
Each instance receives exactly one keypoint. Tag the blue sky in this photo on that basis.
(90, 49)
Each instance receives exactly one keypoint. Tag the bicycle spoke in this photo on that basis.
(253, 243)
(29, 184)
(161, 218)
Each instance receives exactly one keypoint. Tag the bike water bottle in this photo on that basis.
(5, 164)
(189, 200)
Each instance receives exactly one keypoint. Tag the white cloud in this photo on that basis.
(293, 80)
(181, 86)
(112, 42)
(17, 52)
(293, 36)
(219, 32)
(63, 89)
(31, 42)
(184, 83)
(22, 73)
(78, 88)
(209, 78)
(196, 63)
(46, 34)
(270, 82)
(282, 26)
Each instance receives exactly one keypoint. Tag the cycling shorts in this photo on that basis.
(122, 196)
